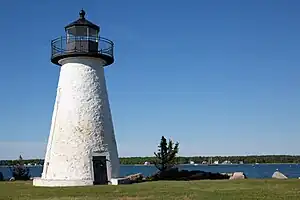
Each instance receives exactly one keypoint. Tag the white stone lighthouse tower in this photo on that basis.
(81, 148)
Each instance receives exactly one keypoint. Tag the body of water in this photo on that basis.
(251, 171)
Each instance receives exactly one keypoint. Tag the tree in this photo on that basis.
(165, 158)
(20, 171)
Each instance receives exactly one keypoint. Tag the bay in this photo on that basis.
(251, 171)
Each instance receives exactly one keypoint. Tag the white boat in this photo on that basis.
(211, 163)
(147, 163)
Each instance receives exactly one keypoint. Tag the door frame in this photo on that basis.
(108, 166)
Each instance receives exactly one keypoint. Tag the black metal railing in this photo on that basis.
(63, 46)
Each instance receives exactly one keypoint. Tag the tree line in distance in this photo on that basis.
(251, 159)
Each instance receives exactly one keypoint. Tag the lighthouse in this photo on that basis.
(82, 148)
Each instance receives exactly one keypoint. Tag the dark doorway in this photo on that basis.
(100, 170)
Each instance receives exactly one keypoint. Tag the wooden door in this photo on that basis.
(100, 170)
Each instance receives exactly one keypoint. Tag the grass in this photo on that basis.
(166, 190)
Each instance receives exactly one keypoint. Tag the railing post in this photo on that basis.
(112, 49)
(51, 48)
(61, 47)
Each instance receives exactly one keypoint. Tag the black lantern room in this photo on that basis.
(82, 39)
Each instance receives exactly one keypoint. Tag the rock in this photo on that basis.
(12, 179)
(279, 175)
(237, 175)
(134, 178)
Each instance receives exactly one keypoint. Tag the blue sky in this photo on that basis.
(220, 77)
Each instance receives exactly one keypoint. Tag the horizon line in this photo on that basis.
(257, 155)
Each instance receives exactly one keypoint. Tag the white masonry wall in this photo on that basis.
(81, 125)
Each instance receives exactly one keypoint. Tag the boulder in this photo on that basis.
(279, 175)
(237, 175)
(134, 178)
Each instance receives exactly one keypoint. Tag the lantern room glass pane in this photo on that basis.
(93, 32)
(78, 31)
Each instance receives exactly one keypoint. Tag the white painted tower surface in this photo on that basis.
(81, 148)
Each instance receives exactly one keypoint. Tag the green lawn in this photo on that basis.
(167, 190)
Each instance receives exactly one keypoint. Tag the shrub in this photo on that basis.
(1, 176)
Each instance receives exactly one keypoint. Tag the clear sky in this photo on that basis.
(220, 77)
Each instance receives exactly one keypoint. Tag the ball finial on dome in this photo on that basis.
(82, 14)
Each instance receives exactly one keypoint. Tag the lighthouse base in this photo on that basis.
(37, 181)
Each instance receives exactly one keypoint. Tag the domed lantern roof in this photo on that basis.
(82, 27)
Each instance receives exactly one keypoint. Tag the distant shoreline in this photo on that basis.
(196, 164)
(198, 160)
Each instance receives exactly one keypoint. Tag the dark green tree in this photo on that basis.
(20, 171)
(165, 157)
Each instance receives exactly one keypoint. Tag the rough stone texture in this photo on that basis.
(279, 175)
(81, 124)
(237, 175)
